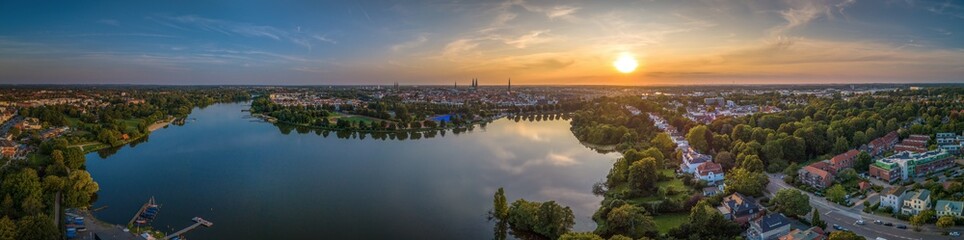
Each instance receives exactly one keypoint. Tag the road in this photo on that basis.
(846, 217)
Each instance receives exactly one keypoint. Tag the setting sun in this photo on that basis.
(626, 63)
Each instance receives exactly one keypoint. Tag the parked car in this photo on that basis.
(838, 227)
(956, 234)
(888, 224)
(859, 222)
(878, 222)
(902, 226)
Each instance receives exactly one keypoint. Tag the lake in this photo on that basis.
(254, 180)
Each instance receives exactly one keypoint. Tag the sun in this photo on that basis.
(626, 63)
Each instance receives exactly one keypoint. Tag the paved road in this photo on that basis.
(847, 217)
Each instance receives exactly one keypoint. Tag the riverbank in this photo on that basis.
(487, 120)
(159, 125)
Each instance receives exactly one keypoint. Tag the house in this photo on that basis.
(904, 165)
(890, 197)
(8, 149)
(914, 202)
(844, 160)
(710, 172)
(692, 160)
(949, 208)
(814, 233)
(863, 185)
(815, 177)
(881, 145)
(739, 208)
(710, 191)
(915, 143)
(769, 227)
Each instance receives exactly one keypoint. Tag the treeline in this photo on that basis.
(606, 121)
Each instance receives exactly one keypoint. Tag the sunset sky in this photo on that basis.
(439, 42)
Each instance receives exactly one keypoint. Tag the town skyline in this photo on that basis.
(435, 43)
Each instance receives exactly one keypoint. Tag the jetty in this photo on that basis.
(150, 202)
(198, 221)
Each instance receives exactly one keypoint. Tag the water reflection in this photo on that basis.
(345, 185)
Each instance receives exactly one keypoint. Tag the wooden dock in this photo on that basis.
(143, 208)
(197, 222)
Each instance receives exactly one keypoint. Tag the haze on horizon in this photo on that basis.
(439, 42)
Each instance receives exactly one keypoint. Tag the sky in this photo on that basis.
(533, 42)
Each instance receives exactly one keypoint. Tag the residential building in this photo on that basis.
(949, 208)
(844, 160)
(8, 149)
(881, 145)
(915, 201)
(814, 233)
(890, 197)
(692, 160)
(710, 172)
(769, 227)
(950, 142)
(815, 177)
(914, 143)
(739, 208)
(904, 165)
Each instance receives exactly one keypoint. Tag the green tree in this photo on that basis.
(621, 237)
(546, 219)
(8, 229)
(699, 138)
(580, 236)
(725, 159)
(746, 182)
(500, 206)
(752, 163)
(664, 143)
(75, 158)
(863, 161)
(25, 189)
(837, 194)
(80, 187)
(631, 221)
(705, 222)
(841, 145)
(790, 173)
(815, 220)
(791, 202)
(844, 235)
(36, 227)
(643, 175)
(945, 222)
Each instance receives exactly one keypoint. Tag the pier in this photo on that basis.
(197, 222)
(150, 202)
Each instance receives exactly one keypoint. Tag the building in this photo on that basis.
(950, 142)
(739, 208)
(844, 160)
(769, 227)
(8, 149)
(914, 143)
(719, 101)
(890, 197)
(814, 233)
(904, 165)
(949, 208)
(815, 177)
(914, 202)
(881, 145)
(692, 160)
(710, 172)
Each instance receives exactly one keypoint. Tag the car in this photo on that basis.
(878, 222)
(859, 222)
(902, 226)
(956, 234)
(838, 227)
(888, 224)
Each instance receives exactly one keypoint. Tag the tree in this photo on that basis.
(846, 175)
(752, 163)
(664, 143)
(705, 222)
(841, 145)
(945, 222)
(75, 158)
(725, 159)
(80, 186)
(643, 175)
(8, 229)
(863, 161)
(36, 227)
(837, 194)
(500, 206)
(580, 236)
(746, 182)
(921, 218)
(790, 173)
(815, 220)
(546, 219)
(791, 202)
(631, 221)
(25, 189)
(699, 138)
(844, 235)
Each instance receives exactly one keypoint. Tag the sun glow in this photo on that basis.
(626, 63)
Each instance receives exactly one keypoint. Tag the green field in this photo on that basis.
(665, 222)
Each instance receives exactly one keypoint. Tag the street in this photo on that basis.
(846, 217)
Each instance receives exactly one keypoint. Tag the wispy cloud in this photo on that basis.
(533, 37)
(231, 28)
(418, 41)
(111, 22)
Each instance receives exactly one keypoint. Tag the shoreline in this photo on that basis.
(159, 125)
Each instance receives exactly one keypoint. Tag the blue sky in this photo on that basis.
(438, 42)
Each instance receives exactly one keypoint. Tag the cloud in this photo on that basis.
(459, 47)
(533, 37)
(799, 16)
(560, 11)
(418, 41)
(325, 39)
(111, 22)
(230, 28)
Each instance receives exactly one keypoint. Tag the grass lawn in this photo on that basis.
(132, 123)
(667, 221)
(675, 183)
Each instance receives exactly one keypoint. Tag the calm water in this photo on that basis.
(256, 182)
